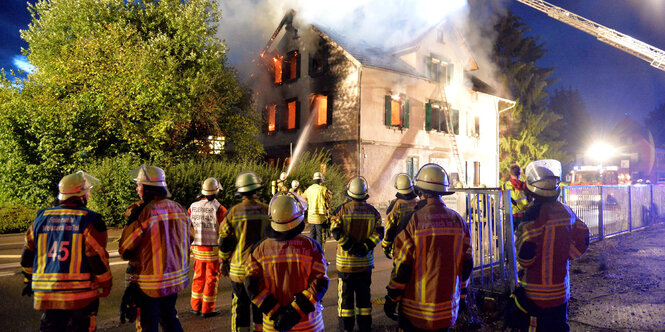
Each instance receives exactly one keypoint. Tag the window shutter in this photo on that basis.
(406, 114)
(285, 69)
(388, 105)
(297, 114)
(297, 65)
(329, 117)
(282, 117)
(428, 116)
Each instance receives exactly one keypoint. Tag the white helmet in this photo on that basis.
(282, 176)
(295, 184)
(543, 177)
(77, 184)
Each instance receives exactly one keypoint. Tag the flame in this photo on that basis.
(395, 97)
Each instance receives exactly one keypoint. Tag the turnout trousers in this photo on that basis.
(156, 311)
(206, 279)
(354, 285)
(78, 320)
(240, 310)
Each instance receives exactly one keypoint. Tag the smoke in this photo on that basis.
(247, 25)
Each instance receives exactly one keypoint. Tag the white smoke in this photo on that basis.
(246, 25)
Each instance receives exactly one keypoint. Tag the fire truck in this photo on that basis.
(598, 175)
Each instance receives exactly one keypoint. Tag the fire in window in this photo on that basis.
(291, 66)
(277, 69)
(397, 111)
(319, 105)
(291, 108)
(271, 117)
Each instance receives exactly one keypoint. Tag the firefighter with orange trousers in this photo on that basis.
(64, 259)
(405, 201)
(286, 273)
(242, 228)
(156, 242)
(550, 236)
(356, 225)
(433, 260)
(206, 215)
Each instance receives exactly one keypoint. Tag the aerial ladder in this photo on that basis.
(654, 56)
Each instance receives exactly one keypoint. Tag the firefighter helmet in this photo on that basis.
(285, 212)
(77, 184)
(433, 178)
(295, 184)
(247, 181)
(150, 175)
(543, 177)
(403, 184)
(357, 188)
(318, 176)
(210, 187)
(282, 176)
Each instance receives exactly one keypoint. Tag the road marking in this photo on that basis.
(10, 256)
(117, 263)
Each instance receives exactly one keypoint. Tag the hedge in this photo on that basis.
(15, 218)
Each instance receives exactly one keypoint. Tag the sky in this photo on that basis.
(610, 81)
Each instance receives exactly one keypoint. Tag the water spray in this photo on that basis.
(302, 140)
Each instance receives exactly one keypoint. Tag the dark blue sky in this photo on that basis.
(610, 81)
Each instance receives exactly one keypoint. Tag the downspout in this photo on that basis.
(360, 76)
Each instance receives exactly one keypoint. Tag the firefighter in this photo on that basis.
(156, 242)
(279, 185)
(206, 215)
(404, 203)
(318, 199)
(433, 260)
(295, 187)
(286, 273)
(517, 196)
(356, 225)
(550, 236)
(242, 228)
(64, 259)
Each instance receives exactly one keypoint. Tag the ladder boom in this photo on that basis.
(653, 55)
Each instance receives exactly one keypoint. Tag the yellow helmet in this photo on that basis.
(403, 184)
(210, 187)
(247, 181)
(76, 185)
(150, 175)
(357, 188)
(433, 178)
(285, 212)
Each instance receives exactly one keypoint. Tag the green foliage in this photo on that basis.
(184, 178)
(575, 122)
(15, 218)
(112, 77)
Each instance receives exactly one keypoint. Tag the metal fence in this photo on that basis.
(607, 211)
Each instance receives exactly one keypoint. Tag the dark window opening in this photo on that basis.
(436, 118)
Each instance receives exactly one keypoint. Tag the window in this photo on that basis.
(412, 166)
(439, 36)
(291, 117)
(436, 119)
(473, 125)
(439, 70)
(291, 67)
(277, 69)
(271, 118)
(216, 144)
(318, 61)
(397, 111)
(322, 106)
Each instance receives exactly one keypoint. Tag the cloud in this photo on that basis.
(21, 62)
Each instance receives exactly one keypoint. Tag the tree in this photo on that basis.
(575, 126)
(529, 131)
(655, 122)
(112, 77)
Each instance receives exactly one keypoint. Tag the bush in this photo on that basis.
(117, 189)
(15, 218)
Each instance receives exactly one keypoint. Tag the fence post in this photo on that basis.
(630, 208)
(601, 206)
(651, 215)
(509, 243)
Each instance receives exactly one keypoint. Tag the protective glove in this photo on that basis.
(390, 308)
(225, 268)
(359, 250)
(388, 251)
(128, 306)
(286, 318)
(27, 290)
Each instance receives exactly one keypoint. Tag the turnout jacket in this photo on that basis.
(65, 257)
(157, 247)
(355, 222)
(551, 236)
(517, 196)
(288, 273)
(432, 262)
(397, 209)
(242, 228)
(206, 215)
(317, 197)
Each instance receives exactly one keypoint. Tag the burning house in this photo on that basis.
(380, 112)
